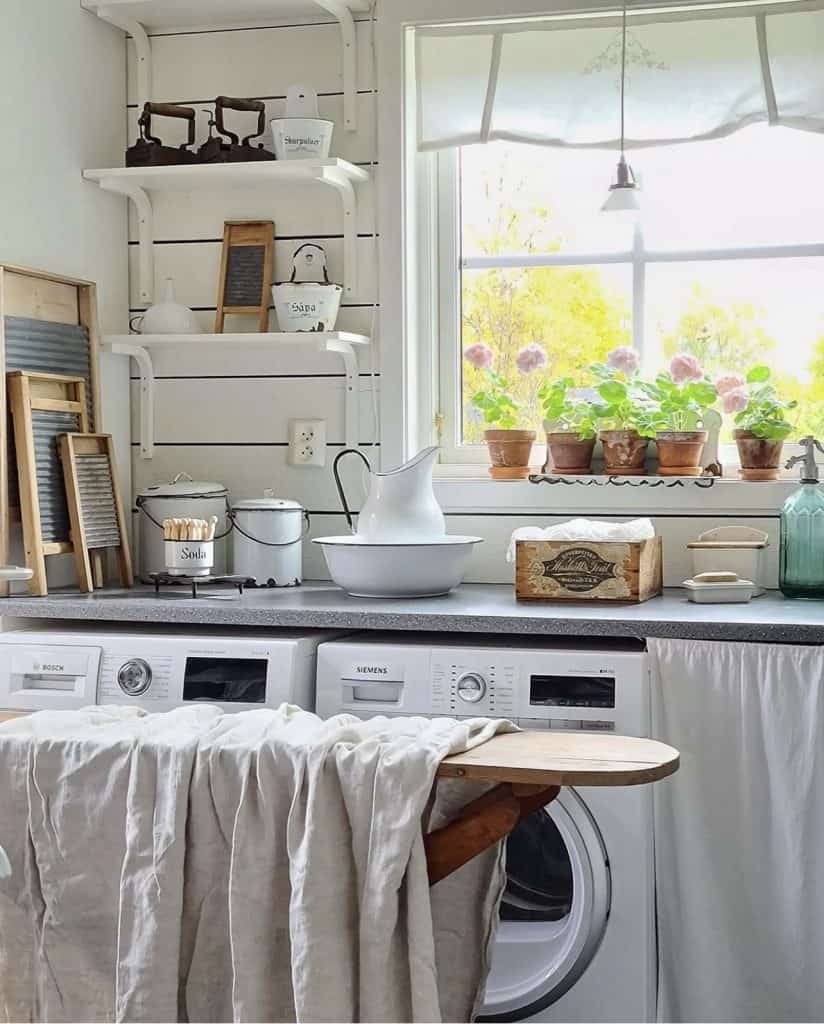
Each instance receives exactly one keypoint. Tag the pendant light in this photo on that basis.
(623, 193)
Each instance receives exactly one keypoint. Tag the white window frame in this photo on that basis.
(451, 263)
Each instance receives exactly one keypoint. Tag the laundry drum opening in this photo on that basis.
(554, 911)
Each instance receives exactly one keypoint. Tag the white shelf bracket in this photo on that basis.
(352, 393)
(145, 231)
(349, 205)
(147, 391)
(143, 49)
(349, 56)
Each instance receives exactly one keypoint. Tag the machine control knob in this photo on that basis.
(471, 687)
(134, 677)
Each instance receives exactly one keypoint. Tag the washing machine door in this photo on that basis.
(554, 911)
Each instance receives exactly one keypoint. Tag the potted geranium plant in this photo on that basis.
(622, 413)
(569, 425)
(682, 396)
(761, 423)
(509, 447)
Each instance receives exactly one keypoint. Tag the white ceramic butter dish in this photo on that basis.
(719, 588)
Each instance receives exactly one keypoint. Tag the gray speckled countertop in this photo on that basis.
(472, 608)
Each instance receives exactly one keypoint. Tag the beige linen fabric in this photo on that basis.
(266, 865)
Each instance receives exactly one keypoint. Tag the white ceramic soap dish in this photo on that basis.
(719, 588)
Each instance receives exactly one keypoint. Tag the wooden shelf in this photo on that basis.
(165, 15)
(138, 347)
(138, 183)
(320, 339)
(140, 18)
(260, 174)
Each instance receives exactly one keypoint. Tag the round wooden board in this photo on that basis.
(564, 759)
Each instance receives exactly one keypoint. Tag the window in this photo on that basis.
(726, 263)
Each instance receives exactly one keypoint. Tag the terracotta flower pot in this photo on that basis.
(680, 451)
(568, 454)
(760, 458)
(509, 452)
(625, 452)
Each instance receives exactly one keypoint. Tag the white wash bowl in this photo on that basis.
(370, 569)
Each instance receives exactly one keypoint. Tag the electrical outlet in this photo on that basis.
(307, 442)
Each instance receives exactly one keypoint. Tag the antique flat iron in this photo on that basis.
(149, 151)
(215, 150)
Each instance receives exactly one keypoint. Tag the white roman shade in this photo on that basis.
(554, 81)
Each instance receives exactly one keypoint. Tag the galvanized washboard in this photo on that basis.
(39, 346)
(95, 508)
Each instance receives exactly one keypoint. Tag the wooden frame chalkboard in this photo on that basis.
(245, 271)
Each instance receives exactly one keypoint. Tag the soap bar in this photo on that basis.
(716, 577)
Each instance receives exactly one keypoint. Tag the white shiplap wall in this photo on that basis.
(222, 413)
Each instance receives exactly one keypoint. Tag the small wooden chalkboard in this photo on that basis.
(245, 270)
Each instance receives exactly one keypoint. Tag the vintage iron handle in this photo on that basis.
(166, 110)
(339, 485)
(230, 103)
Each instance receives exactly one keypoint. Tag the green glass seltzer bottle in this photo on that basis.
(801, 570)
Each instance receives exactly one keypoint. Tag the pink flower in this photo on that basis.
(685, 368)
(530, 358)
(479, 355)
(735, 400)
(728, 382)
(623, 358)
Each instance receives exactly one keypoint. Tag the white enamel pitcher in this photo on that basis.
(401, 507)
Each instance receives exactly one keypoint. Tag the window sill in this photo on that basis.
(468, 490)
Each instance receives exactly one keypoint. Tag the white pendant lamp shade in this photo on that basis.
(623, 193)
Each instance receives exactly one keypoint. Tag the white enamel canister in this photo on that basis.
(308, 301)
(180, 498)
(267, 540)
(189, 557)
(301, 134)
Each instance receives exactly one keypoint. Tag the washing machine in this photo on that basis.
(576, 936)
(72, 665)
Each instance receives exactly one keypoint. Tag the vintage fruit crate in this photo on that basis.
(563, 570)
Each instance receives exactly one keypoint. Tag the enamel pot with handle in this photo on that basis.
(401, 506)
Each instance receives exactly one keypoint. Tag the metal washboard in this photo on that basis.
(46, 347)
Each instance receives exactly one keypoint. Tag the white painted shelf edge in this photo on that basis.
(138, 347)
(139, 17)
(139, 182)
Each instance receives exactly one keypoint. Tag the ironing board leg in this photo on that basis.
(481, 824)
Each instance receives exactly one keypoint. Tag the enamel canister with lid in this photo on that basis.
(267, 540)
(180, 498)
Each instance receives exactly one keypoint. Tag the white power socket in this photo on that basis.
(307, 442)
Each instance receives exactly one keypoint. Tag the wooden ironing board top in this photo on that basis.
(549, 758)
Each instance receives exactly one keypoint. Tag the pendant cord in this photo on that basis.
(623, 69)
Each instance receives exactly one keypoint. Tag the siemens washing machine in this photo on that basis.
(576, 937)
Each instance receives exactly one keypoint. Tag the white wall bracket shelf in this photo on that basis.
(141, 18)
(139, 182)
(139, 346)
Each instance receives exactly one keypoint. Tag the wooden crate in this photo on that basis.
(562, 570)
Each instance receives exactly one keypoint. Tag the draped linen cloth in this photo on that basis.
(554, 81)
(265, 865)
(739, 831)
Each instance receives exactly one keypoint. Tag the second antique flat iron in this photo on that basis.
(215, 150)
(149, 151)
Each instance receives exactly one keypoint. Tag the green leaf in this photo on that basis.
(612, 391)
(758, 374)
